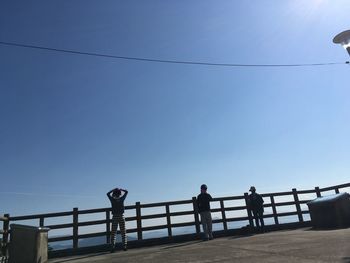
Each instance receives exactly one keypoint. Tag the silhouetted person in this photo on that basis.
(203, 203)
(117, 201)
(256, 206)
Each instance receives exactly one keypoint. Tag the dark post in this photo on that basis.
(75, 228)
(196, 216)
(318, 192)
(108, 227)
(223, 214)
(41, 221)
(336, 190)
(297, 204)
(273, 205)
(5, 235)
(246, 197)
(138, 219)
(168, 220)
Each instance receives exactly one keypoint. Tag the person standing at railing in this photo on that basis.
(203, 203)
(256, 205)
(117, 202)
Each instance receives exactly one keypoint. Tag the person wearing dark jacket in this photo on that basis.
(117, 202)
(203, 204)
(256, 205)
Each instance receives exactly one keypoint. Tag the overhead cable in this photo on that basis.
(168, 61)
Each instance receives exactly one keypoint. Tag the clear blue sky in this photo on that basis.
(73, 127)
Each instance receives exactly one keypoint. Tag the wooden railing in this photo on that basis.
(168, 216)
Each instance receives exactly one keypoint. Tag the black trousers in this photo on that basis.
(258, 216)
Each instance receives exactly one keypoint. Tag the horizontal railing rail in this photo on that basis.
(168, 224)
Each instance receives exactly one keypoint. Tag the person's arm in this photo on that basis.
(249, 202)
(198, 202)
(125, 193)
(261, 199)
(210, 198)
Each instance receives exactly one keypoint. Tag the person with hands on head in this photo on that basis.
(117, 201)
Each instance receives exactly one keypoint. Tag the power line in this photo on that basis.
(168, 61)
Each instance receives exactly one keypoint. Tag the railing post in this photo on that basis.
(318, 192)
(168, 220)
(336, 190)
(196, 216)
(108, 227)
(5, 235)
(250, 218)
(75, 227)
(138, 220)
(297, 204)
(273, 205)
(223, 214)
(41, 221)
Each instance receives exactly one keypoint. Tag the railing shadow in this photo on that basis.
(182, 245)
(325, 228)
(78, 258)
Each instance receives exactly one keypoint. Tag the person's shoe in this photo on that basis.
(112, 249)
(125, 248)
(211, 238)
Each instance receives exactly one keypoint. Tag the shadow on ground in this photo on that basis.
(242, 236)
(82, 257)
(182, 245)
(325, 228)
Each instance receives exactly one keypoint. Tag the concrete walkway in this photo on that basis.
(284, 246)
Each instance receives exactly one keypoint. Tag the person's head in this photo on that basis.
(252, 189)
(116, 193)
(204, 188)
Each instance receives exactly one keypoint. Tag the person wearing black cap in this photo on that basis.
(117, 202)
(203, 204)
(256, 205)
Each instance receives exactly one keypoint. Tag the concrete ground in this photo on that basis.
(301, 245)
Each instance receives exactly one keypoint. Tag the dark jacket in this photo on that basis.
(203, 202)
(117, 203)
(256, 202)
